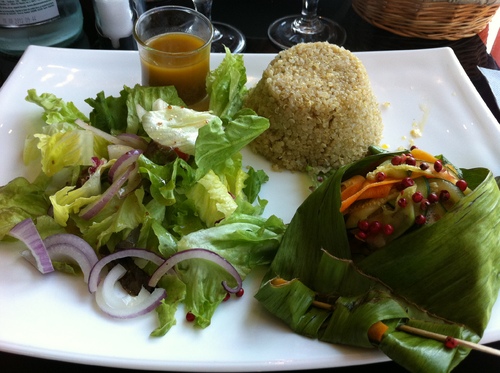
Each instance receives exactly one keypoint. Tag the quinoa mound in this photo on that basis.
(322, 111)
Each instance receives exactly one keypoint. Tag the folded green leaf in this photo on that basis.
(450, 268)
(444, 275)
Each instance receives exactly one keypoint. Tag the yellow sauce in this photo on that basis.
(186, 72)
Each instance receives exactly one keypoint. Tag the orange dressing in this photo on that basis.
(186, 72)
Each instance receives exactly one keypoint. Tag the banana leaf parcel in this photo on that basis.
(442, 277)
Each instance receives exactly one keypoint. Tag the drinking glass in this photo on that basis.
(174, 49)
(305, 28)
(224, 35)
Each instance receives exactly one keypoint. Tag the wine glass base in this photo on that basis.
(229, 37)
(283, 35)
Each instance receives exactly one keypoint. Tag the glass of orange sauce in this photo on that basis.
(174, 47)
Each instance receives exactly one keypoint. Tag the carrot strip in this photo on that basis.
(378, 189)
(377, 192)
(427, 157)
(351, 186)
(377, 331)
(423, 155)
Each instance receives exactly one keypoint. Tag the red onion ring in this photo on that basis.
(123, 163)
(116, 151)
(95, 273)
(129, 306)
(110, 138)
(70, 246)
(198, 254)
(133, 140)
(93, 209)
(26, 232)
(134, 181)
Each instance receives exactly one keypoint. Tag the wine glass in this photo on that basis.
(305, 28)
(224, 35)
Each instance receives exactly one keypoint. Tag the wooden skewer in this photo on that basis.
(443, 338)
(322, 305)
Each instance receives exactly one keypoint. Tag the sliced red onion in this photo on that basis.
(127, 306)
(95, 273)
(134, 181)
(117, 296)
(133, 140)
(95, 207)
(116, 151)
(69, 246)
(26, 232)
(123, 163)
(110, 138)
(197, 254)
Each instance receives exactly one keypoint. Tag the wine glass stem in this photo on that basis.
(205, 8)
(308, 22)
(310, 8)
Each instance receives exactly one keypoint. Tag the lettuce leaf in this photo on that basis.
(245, 241)
(59, 140)
(65, 149)
(216, 142)
(70, 199)
(20, 199)
(175, 126)
(115, 222)
(119, 114)
(56, 110)
(207, 199)
(167, 181)
(256, 178)
(211, 199)
(226, 86)
(176, 291)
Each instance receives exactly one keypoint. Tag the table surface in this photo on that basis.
(253, 18)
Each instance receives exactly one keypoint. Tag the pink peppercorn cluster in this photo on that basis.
(409, 159)
(367, 228)
(418, 197)
(423, 203)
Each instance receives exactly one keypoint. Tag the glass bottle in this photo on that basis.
(39, 22)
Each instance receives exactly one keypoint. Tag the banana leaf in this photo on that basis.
(443, 277)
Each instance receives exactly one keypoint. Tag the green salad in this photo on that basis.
(158, 190)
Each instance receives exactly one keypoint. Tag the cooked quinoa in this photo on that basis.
(320, 105)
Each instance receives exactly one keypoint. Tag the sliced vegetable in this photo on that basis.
(122, 163)
(377, 331)
(198, 254)
(95, 207)
(423, 155)
(133, 140)
(351, 186)
(95, 273)
(26, 232)
(72, 247)
(106, 136)
(369, 190)
(125, 306)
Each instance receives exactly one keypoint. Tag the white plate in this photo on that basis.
(54, 316)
